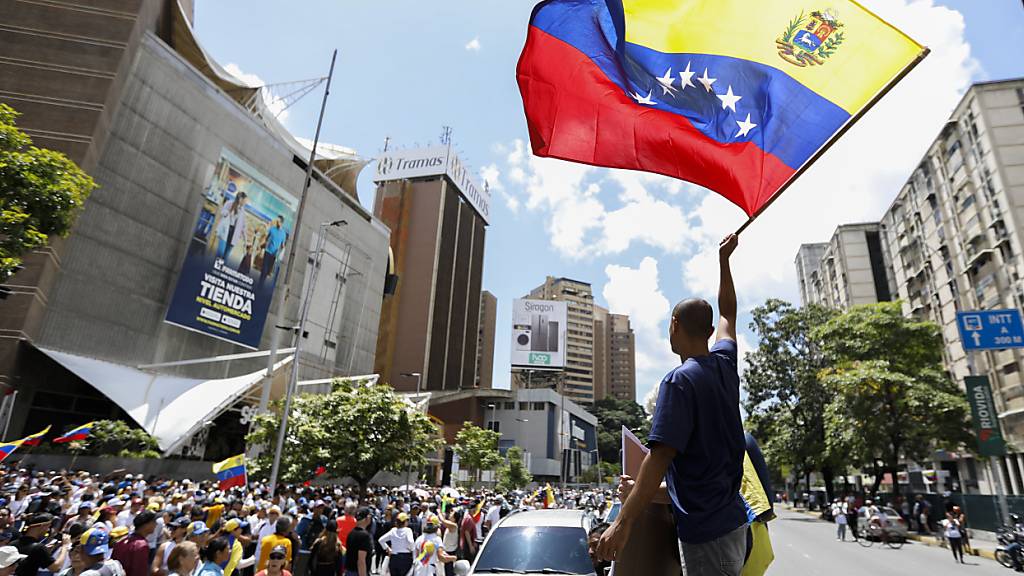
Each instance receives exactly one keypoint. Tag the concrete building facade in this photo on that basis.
(578, 381)
(485, 340)
(430, 325)
(150, 127)
(956, 232)
(851, 268)
(621, 358)
(600, 352)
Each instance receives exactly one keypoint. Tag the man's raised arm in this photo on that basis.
(726, 290)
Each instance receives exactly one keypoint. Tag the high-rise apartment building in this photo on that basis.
(621, 382)
(600, 352)
(485, 340)
(952, 241)
(956, 230)
(438, 218)
(578, 383)
(851, 268)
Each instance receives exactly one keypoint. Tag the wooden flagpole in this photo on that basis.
(835, 137)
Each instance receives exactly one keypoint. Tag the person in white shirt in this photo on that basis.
(429, 550)
(492, 516)
(398, 543)
(267, 527)
(951, 529)
(126, 518)
(839, 515)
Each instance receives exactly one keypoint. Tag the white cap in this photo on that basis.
(9, 555)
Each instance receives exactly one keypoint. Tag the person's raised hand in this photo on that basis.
(612, 541)
(626, 484)
(728, 245)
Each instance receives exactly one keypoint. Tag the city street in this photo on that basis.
(807, 546)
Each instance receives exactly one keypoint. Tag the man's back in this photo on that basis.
(698, 415)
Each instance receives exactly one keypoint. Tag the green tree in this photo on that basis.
(477, 449)
(785, 399)
(513, 474)
(42, 192)
(612, 414)
(892, 399)
(113, 438)
(356, 430)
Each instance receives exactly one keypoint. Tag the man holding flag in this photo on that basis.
(701, 459)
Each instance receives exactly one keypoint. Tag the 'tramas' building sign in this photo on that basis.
(435, 161)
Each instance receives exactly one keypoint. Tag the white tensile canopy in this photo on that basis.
(170, 408)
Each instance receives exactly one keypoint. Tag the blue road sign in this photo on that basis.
(990, 329)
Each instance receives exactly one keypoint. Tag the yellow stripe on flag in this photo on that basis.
(232, 462)
(870, 54)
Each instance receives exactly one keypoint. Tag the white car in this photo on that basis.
(535, 542)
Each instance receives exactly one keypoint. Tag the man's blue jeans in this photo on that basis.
(722, 556)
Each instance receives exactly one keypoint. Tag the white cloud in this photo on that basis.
(274, 104)
(581, 221)
(636, 292)
(491, 174)
(473, 45)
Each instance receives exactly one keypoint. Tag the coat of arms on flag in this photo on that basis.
(810, 40)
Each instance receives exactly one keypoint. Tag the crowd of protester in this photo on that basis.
(122, 524)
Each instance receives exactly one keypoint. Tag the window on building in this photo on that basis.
(509, 405)
(524, 405)
(494, 425)
(1010, 368)
(540, 406)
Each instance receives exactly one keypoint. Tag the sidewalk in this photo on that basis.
(981, 547)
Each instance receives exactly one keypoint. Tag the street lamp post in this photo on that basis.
(300, 330)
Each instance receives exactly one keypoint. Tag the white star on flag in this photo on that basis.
(666, 83)
(729, 100)
(745, 127)
(685, 77)
(706, 81)
(644, 99)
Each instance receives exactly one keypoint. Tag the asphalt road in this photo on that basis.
(805, 546)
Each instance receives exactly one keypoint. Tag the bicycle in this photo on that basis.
(867, 537)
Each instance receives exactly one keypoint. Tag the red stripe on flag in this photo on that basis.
(575, 112)
(238, 480)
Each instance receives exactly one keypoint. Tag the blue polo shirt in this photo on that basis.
(275, 237)
(698, 414)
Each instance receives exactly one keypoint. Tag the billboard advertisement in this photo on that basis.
(435, 161)
(234, 256)
(538, 334)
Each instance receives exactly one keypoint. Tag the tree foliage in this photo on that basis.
(612, 414)
(477, 449)
(513, 474)
(786, 400)
(42, 192)
(113, 438)
(356, 430)
(892, 399)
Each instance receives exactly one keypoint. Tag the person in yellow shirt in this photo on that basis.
(232, 530)
(213, 513)
(278, 538)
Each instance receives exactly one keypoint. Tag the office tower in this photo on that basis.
(578, 383)
(485, 340)
(621, 381)
(851, 268)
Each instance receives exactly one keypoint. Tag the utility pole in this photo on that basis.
(281, 292)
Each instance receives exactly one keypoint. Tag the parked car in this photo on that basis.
(535, 541)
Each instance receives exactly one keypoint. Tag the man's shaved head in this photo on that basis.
(694, 316)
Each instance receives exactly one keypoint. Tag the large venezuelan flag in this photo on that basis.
(230, 472)
(734, 95)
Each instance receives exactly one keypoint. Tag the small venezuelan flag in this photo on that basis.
(76, 434)
(738, 96)
(231, 472)
(549, 497)
(35, 439)
(7, 448)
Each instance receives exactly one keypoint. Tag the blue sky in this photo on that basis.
(406, 68)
